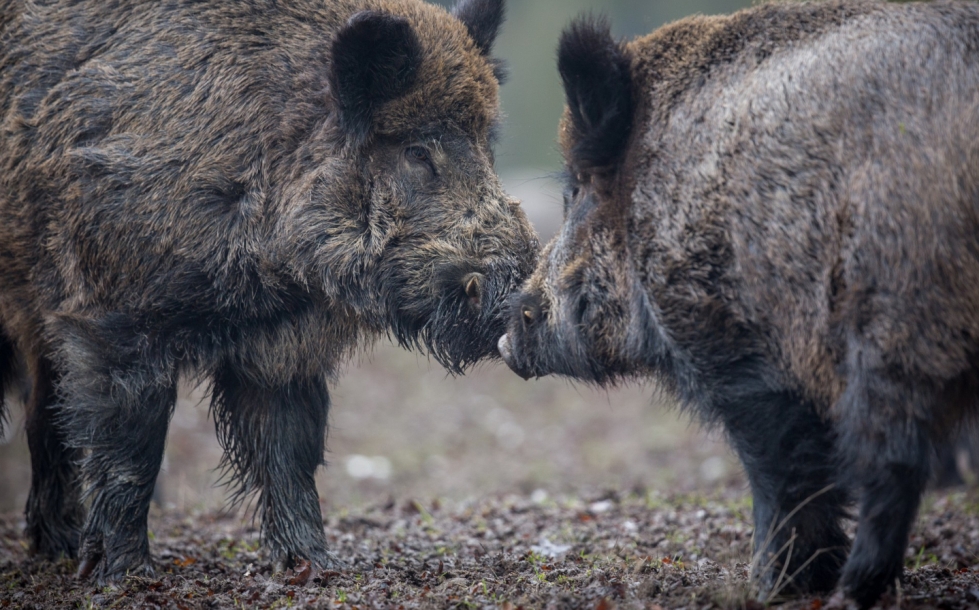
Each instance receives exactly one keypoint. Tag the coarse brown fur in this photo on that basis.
(785, 235)
(245, 192)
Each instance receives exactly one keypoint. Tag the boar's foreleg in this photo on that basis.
(54, 511)
(274, 439)
(886, 450)
(788, 453)
(118, 389)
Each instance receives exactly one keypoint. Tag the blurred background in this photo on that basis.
(401, 428)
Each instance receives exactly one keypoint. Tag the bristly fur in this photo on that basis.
(595, 70)
(788, 242)
(245, 192)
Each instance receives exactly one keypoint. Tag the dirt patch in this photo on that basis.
(601, 551)
(434, 436)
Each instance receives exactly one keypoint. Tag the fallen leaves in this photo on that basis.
(302, 573)
(507, 552)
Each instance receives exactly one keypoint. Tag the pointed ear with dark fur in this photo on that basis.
(595, 70)
(483, 19)
(375, 60)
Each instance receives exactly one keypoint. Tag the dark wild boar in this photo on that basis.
(245, 192)
(776, 214)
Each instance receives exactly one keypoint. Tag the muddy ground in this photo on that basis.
(619, 549)
(476, 492)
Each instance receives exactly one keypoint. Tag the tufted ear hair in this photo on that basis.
(375, 59)
(595, 70)
(483, 19)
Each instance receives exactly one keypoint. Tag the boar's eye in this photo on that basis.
(419, 155)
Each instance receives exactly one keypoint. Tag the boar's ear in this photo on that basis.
(375, 59)
(483, 19)
(598, 86)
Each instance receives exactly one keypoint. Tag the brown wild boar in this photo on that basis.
(776, 214)
(246, 192)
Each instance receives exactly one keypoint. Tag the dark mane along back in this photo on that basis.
(678, 56)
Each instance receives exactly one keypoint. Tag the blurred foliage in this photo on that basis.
(532, 98)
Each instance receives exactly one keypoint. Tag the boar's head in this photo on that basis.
(581, 313)
(407, 222)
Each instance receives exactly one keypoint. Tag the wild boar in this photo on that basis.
(244, 192)
(775, 214)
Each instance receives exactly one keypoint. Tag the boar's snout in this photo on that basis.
(503, 346)
(524, 317)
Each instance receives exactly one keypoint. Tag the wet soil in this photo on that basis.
(611, 549)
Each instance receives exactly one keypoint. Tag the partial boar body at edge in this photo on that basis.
(246, 192)
(775, 214)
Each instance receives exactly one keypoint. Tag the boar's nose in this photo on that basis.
(472, 285)
(506, 352)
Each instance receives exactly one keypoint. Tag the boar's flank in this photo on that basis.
(775, 213)
(244, 191)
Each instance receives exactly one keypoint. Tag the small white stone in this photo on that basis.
(360, 466)
(713, 469)
(549, 549)
(602, 506)
(364, 467)
(381, 467)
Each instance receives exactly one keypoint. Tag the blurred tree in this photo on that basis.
(533, 99)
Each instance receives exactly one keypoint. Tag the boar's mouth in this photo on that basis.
(465, 317)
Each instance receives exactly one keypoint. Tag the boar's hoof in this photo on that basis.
(320, 560)
(56, 543)
(94, 567)
(839, 601)
(864, 584)
(86, 567)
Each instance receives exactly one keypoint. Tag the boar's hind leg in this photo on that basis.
(54, 510)
(787, 451)
(886, 451)
(274, 439)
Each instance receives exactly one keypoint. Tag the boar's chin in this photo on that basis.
(455, 337)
